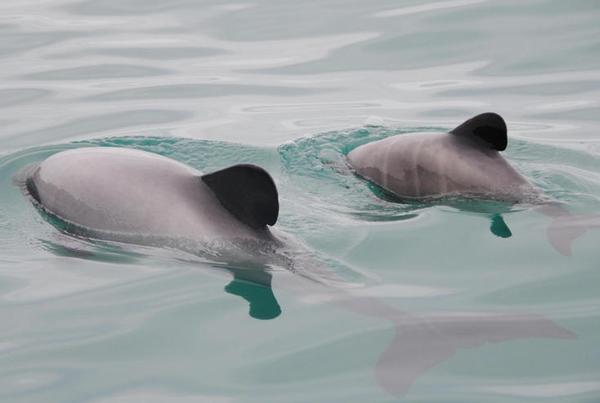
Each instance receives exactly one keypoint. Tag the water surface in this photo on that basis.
(460, 300)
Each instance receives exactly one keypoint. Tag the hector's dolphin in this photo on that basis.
(134, 196)
(464, 162)
(127, 192)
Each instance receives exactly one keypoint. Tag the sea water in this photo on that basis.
(446, 301)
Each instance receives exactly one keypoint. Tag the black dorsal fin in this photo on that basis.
(248, 192)
(487, 129)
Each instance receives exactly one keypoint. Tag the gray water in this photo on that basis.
(453, 301)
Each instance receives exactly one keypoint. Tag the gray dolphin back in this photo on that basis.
(466, 162)
(124, 193)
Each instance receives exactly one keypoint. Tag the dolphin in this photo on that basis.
(144, 198)
(125, 192)
(464, 162)
(133, 196)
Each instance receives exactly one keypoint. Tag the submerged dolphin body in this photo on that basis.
(464, 162)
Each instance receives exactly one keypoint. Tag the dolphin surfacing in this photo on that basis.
(113, 193)
(120, 193)
(466, 161)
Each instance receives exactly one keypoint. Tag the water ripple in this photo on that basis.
(303, 82)
(98, 123)
(97, 72)
(14, 43)
(201, 91)
(147, 53)
(15, 96)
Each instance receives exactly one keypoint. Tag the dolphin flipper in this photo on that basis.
(248, 192)
(499, 227)
(487, 129)
(255, 287)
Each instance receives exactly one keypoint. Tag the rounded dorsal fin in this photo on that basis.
(248, 192)
(487, 129)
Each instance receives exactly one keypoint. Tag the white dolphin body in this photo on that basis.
(133, 196)
(132, 192)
